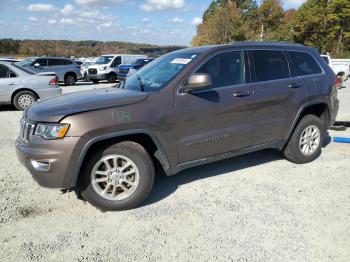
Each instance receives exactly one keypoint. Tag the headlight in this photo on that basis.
(51, 131)
(102, 68)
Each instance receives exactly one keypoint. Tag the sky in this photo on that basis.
(161, 22)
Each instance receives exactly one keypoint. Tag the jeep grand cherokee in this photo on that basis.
(185, 109)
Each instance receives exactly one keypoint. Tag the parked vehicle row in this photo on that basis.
(22, 87)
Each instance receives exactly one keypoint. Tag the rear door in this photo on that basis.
(275, 95)
(218, 120)
(8, 81)
(305, 68)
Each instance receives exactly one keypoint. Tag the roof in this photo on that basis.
(202, 49)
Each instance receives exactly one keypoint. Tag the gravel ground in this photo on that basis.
(256, 207)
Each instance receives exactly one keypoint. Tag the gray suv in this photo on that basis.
(67, 70)
(185, 109)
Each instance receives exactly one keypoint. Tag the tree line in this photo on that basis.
(324, 24)
(23, 48)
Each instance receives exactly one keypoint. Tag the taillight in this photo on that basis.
(337, 82)
(54, 81)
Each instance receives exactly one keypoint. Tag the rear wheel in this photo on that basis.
(70, 80)
(305, 144)
(24, 99)
(119, 177)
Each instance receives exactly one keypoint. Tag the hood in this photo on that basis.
(54, 109)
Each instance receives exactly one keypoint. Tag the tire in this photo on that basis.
(129, 190)
(70, 79)
(95, 81)
(24, 99)
(86, 79)
(301, 154)
(112, 78)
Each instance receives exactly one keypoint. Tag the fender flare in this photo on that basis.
(301, 110)
(160, 154)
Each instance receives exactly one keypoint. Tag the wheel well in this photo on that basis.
(319, 110)
(70, 73)
(23, 89)
(143, 139)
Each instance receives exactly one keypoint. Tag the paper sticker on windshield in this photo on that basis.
(181, 61)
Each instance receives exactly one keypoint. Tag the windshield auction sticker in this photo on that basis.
(181, 61)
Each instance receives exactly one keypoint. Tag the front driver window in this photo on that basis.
(225, 69)
(117, 61)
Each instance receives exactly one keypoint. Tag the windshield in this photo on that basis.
(23, 69)
(104, 60)
(27, 62)
(158, 73)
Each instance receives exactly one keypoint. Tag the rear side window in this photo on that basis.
(225, 69)
(4, 71)
(269, 65)
(54, 62)
(65, 62)
(304, 64)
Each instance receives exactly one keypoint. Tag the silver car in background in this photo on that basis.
(67, 70)
(22, 87)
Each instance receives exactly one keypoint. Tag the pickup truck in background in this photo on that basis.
(124, 71)
(341, 67)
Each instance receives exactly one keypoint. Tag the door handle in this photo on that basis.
(294, 85)
(241, 94)
(11, 84)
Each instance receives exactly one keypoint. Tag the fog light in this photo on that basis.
(40, 165)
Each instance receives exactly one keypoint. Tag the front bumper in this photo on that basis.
(98, 76)
(57, 153)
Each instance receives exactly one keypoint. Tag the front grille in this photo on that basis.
(92, 71)
(27, 130)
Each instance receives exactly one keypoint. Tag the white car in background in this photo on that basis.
(341, 67)
(22, 87)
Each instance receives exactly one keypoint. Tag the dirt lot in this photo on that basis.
(257, 207)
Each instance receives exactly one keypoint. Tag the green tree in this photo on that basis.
(223, 25)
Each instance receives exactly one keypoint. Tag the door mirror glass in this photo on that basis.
(36, 65)
(197, 82)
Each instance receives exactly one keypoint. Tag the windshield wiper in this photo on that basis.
(142, 85)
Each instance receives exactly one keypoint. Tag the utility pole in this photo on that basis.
(262, 33)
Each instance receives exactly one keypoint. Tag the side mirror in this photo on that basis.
(36, 65)
(197, 82)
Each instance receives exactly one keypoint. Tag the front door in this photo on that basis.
(217, 120)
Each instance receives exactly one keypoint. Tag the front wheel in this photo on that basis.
(24, 99)
(112, 78)
(119, 177)
(305, 144)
